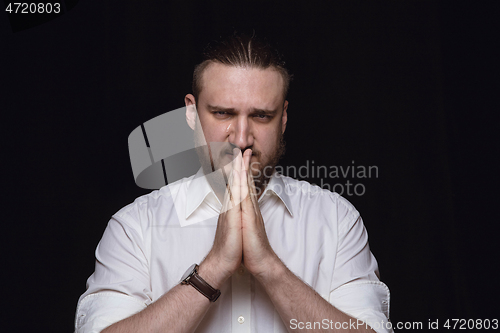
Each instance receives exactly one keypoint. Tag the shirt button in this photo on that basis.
(241, 270)
(241, 319)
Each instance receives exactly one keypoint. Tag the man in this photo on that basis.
(274, 254)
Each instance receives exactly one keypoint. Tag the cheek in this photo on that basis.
(269, 143)
(216, 136)
(216, 139)
(214, 132)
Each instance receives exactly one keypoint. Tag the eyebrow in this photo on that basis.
(219, 108)
(254, 110)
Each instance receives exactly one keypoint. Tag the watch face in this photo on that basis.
(188, 272)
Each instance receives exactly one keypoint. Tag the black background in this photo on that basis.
(408, 86)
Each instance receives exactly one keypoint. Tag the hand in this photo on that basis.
(258, 255)
(226, 254)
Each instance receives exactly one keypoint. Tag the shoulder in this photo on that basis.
(156, 201)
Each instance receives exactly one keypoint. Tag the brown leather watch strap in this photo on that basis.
(203, 287)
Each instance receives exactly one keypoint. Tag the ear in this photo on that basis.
(190, 102)
(284, 117)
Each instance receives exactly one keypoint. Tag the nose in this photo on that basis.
(241, 133)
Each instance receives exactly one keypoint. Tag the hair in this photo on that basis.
(240, 50)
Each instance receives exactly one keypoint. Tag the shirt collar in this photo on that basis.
(197, 191)
(278, 187)
(200, 190)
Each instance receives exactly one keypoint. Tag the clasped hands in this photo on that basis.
(241, 236)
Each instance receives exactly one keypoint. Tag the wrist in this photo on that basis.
(274, 272)
(209, 272)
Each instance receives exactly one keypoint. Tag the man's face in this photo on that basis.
(243, 108)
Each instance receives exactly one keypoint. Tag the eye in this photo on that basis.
(220, 114)
(262, 117)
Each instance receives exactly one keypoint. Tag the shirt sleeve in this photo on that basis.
(120, 285)
(97, 311)
(356, 288)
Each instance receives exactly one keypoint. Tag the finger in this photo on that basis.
(248, 201)
(251, 185)
(227, 201)
(245, 166)
(236, 179)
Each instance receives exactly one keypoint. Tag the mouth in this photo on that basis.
(230, 153)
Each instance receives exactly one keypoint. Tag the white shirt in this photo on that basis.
(149, 244)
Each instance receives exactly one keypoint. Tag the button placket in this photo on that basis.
(241, 301)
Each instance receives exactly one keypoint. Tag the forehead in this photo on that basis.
(241, 87)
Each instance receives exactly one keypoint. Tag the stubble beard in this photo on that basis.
(261, 172)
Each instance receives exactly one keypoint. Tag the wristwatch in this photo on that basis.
(191, 277)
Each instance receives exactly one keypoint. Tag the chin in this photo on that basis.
(255, 165)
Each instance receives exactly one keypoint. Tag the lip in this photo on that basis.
(231, 154)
